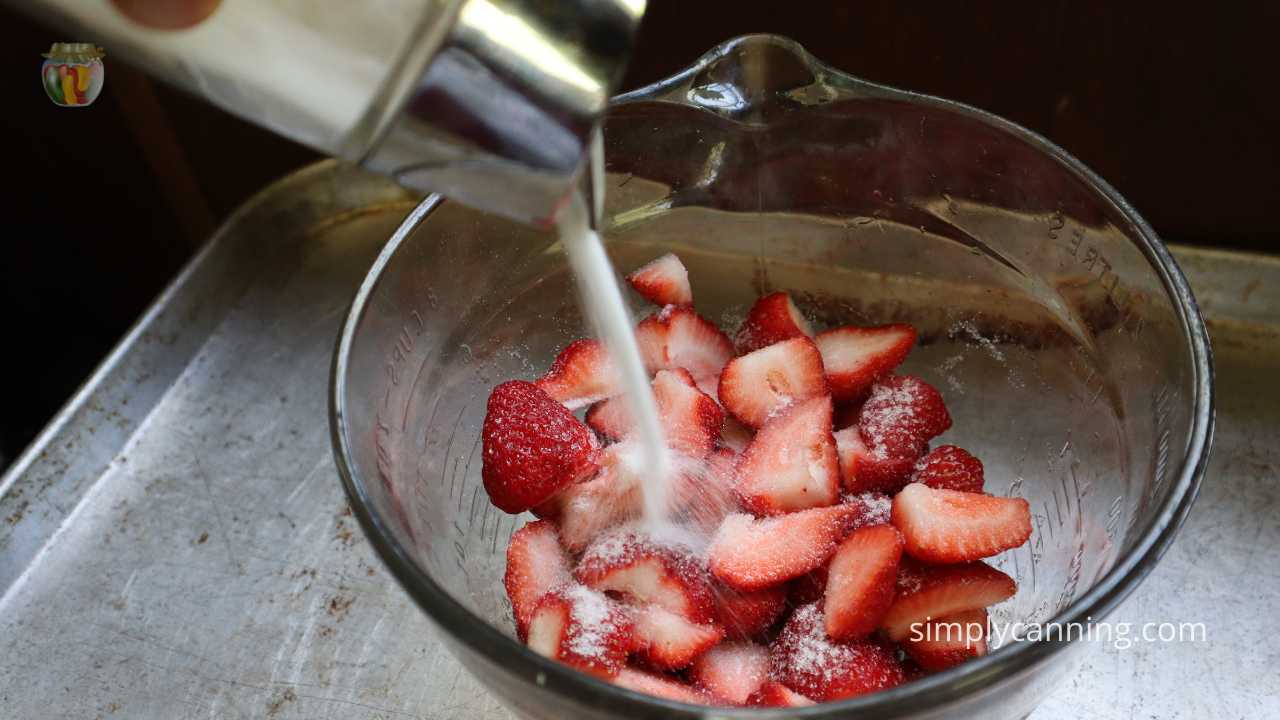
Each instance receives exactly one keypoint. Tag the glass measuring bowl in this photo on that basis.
(1063, 336)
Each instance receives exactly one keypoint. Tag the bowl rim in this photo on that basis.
(928, 693)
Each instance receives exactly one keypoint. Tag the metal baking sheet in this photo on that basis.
(176, 544)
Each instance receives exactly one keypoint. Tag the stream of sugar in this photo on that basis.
(601, 297)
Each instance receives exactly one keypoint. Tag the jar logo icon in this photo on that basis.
(73, 74)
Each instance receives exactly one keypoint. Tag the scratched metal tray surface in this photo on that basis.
(176, 544)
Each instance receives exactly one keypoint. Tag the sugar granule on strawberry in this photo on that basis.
(690, 419)
(772, 319)
(747, 613)
(791, 463)
(678, 337)
(582, 628)
(948, 467)
(948, 526)
(895, 425)
(863, 471)
(663, 281)
(667, 574)
(536, 564)
(756, 385)
(806, 660)
(532, 447)
(861, 582)
(586, 509)
(750, 553)
(927, 592)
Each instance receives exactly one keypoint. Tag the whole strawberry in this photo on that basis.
(533, 447)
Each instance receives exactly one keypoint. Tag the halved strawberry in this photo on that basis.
(678, 337)
(532, 448)
(865, 471)
(902, 411)
(791, 464)
(947, 526)
(582, 628)
(581, 374)
(861, 580)
(663, 281)
(587, 509)
(745, 614)
(856, 357)
(804, 659)
(666, 574)
(669, 641)
(749, 553)
(772, 319)
(758, 384)
(535, 565)
(690, 419)
(928, 592)
(732, 671)
(949, 641)
(660, 686)
(704, 491)
(775, 694)
(948, 467)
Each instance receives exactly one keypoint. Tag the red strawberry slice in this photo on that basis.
(749, 553)
(663, 281)
(704, 491)
(861, 581)
(948, 467)
(581, 374)
(669, 641)
(660, 686)
(864, 471)
(665, 574)
(587, 509)
(804, 659)
(947, 526)
(678, 337)
(867, 509)
(775, 694)
(902, 411)
(947, 642)
(582, 628)
(758, 384)
(856, 357)
(772, 319)
(690, 419)
(929, 592)
(535, 565)
(745, 614)
(791, 464)
(732, 671)
(532, 447)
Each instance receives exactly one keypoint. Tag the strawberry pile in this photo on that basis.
(817, 538)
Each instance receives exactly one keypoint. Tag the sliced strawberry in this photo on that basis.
(758, 384)
(581, 374)
(678, 337)
(873, 509)
(902, 412)
(582, 628)
(535, 565)
(735, 435)
(669, 641)
(861, 580)
(804, 659)
(690, 419)
(587, 509)
(749, 553)
(732, 671)
(665, 574)
(661, 686)
(927, 592)
(533, 447)
(808, 588)
(864, 471)
(791, 464)
(949, 641)
(772, 319)
(947, 526)
(610, 418)
(775, 694)
(663, 281)
(745, 614)
(948, 467)
(856, 357)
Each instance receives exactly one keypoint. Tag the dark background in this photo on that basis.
(1175, 106)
